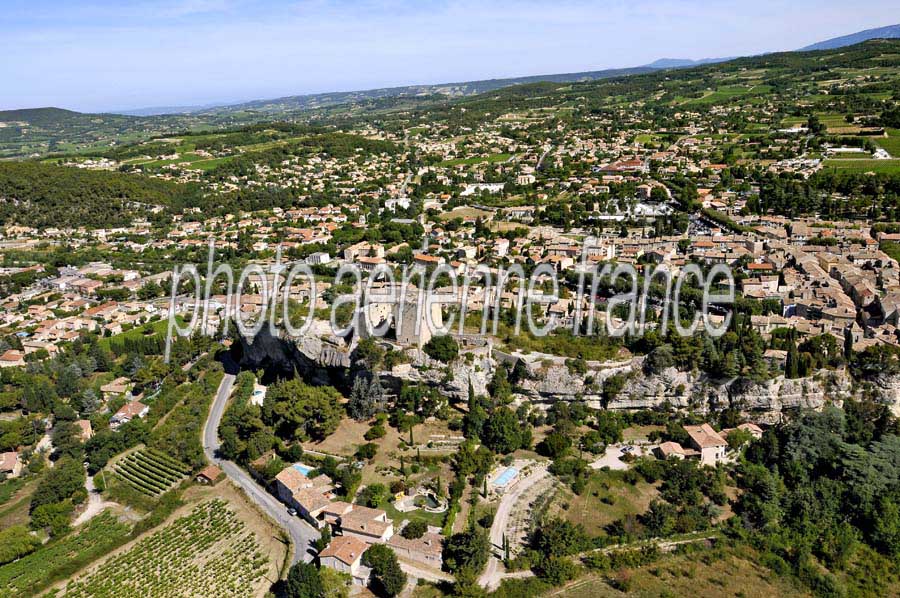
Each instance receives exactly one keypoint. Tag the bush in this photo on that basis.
(442, 348)
(557, 570)
(414, 529)
(367, 451)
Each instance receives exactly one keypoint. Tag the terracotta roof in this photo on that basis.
(429, 543)
(367, 521)
(346, 549)
(704, 436)
(292, 479)
(130, 409)
(670, 448)
(210, 472)
(8, 461)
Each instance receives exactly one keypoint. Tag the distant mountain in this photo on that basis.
(889, 32)
(680, 63)
(324, 100)
(158, 110)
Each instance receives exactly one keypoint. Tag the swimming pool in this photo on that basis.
(506, 477)
(304, 469)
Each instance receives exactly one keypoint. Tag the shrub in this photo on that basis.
(414, 529)
(442, 348)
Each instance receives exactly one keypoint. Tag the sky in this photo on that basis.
(101, 55)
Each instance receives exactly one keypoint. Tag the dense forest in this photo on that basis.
(45, 195)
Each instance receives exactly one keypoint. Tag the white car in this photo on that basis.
(292, 512)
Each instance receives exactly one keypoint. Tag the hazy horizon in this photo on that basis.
(104, 56)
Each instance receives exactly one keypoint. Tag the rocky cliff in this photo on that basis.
(547, 379)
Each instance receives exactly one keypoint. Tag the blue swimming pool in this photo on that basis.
(506, 477)
(304, 469)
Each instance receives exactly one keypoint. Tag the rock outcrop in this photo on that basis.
(547, 379)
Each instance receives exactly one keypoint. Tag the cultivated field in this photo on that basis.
(59, 558)
(150, 471)
(209, 552)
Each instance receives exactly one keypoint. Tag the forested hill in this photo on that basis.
(38, 116)
(45, 195)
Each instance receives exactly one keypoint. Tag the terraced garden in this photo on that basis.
(208, 552)
(150, 471)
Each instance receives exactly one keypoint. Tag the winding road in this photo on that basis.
(494, 572)
(301, 533)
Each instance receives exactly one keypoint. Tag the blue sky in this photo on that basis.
(103, 55)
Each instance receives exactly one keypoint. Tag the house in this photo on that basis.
(9, 463)
(12, 358)
(426, 550)
(86, 432)
(209, 474)
(708, 442)
(308, 496)
(369, 525)
(670, 449)
(344, 554)
(116, 388)
(128, 412)
(754, 430)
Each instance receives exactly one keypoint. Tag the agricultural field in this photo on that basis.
(208, 552)
(59, 558)
(891, 143)
(862, 166)
(150, 471)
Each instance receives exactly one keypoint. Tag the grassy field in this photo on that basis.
(876, 166)
(891, 143)
(724, 94)
(464, 213)
(476, 160)
(711, 574)
(606, 499)
(15, 500)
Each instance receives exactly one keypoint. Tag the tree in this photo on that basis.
(299, 411)
(467, 551)
(303, 581)
(387, 577)
(442, 348)
(558, 537)
(67, 440)
(502, 432)
(499, 387)
(360, 406)
(414, 529)
(555, 445)
(59, 483)
(16, 542)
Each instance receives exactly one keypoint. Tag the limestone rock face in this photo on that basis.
(547, 379)
(887, 390)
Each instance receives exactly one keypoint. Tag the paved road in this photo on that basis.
(493, 573)
(302, 534)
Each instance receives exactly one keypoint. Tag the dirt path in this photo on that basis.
(95, 504)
